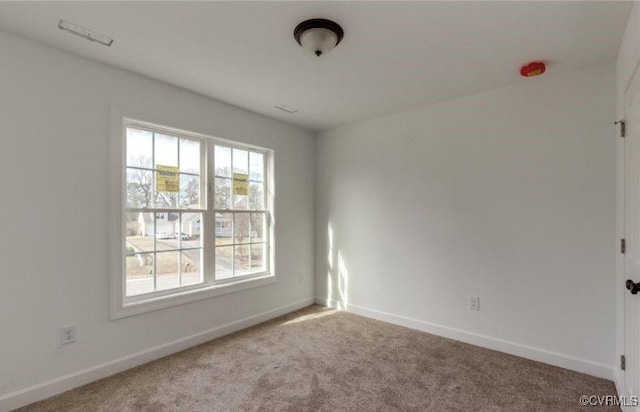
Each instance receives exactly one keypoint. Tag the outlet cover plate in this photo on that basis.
(68, 334)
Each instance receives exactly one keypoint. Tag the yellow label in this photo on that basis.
(240, 184)
(167, 179)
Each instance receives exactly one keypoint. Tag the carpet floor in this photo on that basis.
(321, 359)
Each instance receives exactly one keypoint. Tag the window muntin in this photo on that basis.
(167, 249)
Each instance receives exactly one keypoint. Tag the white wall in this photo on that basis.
(508, 195)
(54, 245)
(628, 57)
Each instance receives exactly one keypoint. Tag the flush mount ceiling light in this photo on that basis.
(319, 36)
(85, 33)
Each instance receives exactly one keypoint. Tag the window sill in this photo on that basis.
(179, 298)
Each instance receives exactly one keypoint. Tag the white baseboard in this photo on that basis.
(324, 302)
(64, 383)
(541, 355)
(618, 380)
(622, 391)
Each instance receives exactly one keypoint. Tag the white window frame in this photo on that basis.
(122, 305)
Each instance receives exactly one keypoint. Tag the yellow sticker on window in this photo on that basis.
(167, 179)
(240, 184)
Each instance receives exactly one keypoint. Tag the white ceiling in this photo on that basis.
(394, 56)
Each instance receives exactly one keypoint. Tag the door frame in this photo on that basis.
(620, 277)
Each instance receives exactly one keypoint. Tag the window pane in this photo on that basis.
(166, 148)
(224, 256)
(240, 161)
(167, 270)
(241, 228)
(256, 166)
(256, 196)
(139, 187)
(189, 234)
(139, 148)
(190, 156)
(257, 227)
(224, 229)
(223, 161)
(240, 202)
(240, 188)
(258, 261)
(189, 191)
(223, 193)
(241, 260)
(139, 273)
(165, 199)
(190, 266)
(139, 231)
(165, 227)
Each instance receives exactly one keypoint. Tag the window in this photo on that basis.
(196, 213)
(240, 213)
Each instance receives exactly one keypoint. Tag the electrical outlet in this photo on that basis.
(301, 279)
(474, 302)
(68, 334)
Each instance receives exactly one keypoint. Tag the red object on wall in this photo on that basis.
(533, 69)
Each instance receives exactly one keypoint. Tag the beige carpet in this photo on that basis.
(320, 359)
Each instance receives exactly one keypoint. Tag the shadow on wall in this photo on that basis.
(337, 275)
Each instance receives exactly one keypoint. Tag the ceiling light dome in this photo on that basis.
(319, 36)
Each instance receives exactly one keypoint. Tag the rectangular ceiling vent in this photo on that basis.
(287, 109)
(85, 33)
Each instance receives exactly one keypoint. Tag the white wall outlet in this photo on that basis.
(474, 302)
(301, 279)
(68, 334)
